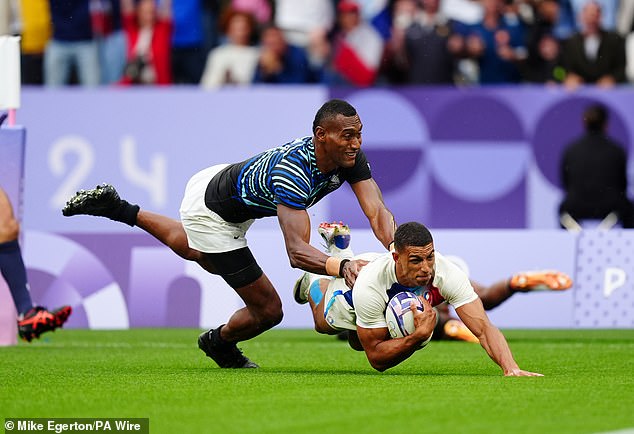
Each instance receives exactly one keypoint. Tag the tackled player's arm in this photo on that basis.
(384, 352)
(371, 200)
(491, 339)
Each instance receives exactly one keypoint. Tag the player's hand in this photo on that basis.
(521, 373)
(351, 270)
(424, 321)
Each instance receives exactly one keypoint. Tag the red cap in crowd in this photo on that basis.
(348, 6)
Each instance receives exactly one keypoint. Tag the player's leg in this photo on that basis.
(493, 295)
(313, 289)
(104, 201)
(171, 233)
(32, 320)
(11, 263)
(262, 311)
(450, 328)
(526, 281)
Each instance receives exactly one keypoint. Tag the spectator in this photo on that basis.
(188, 42)
(72, 45)
(594, 173)
(593, 55)
(279, 61)
(235, 60)
(543, 62)
(625, 27)
(210, 11)
(36, 32)
(432, 47)
(497, 43)
(111, 39)
(149, 32)
(395, 64)
(9, 17)
(566, 23)
(305, 21)
(262, 10)
(608, 17)
(357, 48)
(465, 11)
(625, 23)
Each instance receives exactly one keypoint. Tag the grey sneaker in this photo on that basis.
(103, 201)
(226, 355)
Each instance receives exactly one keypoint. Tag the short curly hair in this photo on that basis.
(331, 109)
(412, 234)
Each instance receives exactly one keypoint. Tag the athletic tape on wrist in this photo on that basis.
(332, 266)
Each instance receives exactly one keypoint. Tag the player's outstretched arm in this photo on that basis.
(383, 352)
(381, 219)
(491, 339)
(295, 225)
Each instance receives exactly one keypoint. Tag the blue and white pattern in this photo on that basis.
(285, 175)
(399, 318)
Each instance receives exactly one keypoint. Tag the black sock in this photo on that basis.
(14, 272)
(217, 339)
(125, 213)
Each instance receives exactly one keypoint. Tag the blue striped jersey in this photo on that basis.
(286, 175)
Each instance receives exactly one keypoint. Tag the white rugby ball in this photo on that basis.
(399, 317)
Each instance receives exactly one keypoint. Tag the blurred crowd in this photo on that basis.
(213, 43)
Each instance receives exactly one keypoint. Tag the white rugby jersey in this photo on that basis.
(377, 284)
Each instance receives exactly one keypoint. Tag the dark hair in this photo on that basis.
(595, 117)
(412, 234)
(331, 109)
(229, 14)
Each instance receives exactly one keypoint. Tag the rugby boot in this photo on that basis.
(103, 201)
(455, 329)
(336, 237)
(225, 354)
(545, 280)
(34, 322)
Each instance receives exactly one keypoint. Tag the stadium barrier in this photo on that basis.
(121, 280)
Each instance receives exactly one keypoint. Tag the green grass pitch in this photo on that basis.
(311, 383)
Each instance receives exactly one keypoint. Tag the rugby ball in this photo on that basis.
(399, 317)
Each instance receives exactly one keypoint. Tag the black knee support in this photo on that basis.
(238, 267)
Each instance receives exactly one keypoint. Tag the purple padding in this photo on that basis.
(476, 118)
(392, 167)
(507, 211)
(183, 299)
(410, 201)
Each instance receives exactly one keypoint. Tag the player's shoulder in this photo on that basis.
(447, 271)
(299, 144)
(444, 264)
(379, 267)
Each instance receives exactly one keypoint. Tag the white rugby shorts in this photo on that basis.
(206, 231)
(337, 312)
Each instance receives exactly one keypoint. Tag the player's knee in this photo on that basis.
(324, 330)
(271, 316)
